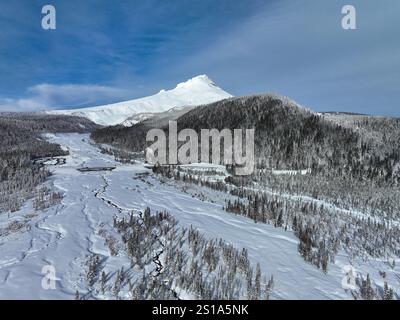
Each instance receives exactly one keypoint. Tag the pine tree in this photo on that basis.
(269, 287)
(257, 283)
(367, 292)
(387, 292)
(279, 222)
(103, 282)
(294, 224)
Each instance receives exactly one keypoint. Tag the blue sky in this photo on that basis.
(108, 51)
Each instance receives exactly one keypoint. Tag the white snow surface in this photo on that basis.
(194, 92)
(67, 233)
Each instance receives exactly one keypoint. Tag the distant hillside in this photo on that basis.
(381, 133)
(21, 143)
(37, 122)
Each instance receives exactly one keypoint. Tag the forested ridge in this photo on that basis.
(288, 136)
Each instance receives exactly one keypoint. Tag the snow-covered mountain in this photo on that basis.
(196, 91)
(169, 115)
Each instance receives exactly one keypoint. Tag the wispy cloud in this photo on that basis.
(48, 96)
(299, 49)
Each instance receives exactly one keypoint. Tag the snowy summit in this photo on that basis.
(196, 91)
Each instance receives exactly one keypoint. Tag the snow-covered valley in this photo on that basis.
(64, 236)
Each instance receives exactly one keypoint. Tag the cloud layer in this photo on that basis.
(47, 96)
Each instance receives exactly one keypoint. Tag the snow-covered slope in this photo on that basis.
(157, 117)
(64, 236)
(196, 91)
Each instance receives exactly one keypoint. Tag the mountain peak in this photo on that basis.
(201, 81)
(198, 80)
